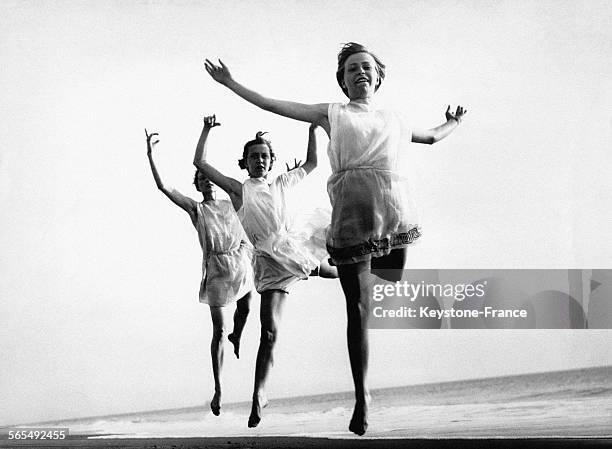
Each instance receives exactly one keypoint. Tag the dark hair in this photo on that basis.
(258, 140)
(195, 179)
(350, 49)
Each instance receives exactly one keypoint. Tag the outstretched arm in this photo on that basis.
(311, 152)
(230, 185)
(438, 133)
(313, 113)
(175, 196)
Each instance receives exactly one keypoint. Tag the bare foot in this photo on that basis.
(215, 404)
(259, 402)
(359, 421)
(234, 340)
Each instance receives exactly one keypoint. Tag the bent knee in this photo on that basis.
(268, 337)
(358, 309)
(218, 333)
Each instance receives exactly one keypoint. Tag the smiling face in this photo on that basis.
(361, 77)
(258, 160)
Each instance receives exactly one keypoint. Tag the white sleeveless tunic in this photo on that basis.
(372, 209)
(227, 274)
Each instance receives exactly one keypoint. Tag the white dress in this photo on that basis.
(284, 252)
(372, 209)
(227, 274)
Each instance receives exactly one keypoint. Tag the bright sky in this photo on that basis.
(100, 272)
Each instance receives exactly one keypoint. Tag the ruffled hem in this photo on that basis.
(373, 248)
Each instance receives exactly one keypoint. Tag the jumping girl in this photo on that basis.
(373, 221)
(227, 275)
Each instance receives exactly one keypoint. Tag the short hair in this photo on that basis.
(195, 179)
(258, 140)
(350, 49)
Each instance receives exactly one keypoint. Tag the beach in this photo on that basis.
(539, 410)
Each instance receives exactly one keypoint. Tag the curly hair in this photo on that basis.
(350, 49)
(258, 140)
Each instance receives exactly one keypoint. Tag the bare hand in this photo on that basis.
(210, 121)
(457, 116)
(150, 144)
(220, 73)
(296, 165)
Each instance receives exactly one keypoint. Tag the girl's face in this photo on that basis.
(204, 185)
(258, 160)
(360, 76)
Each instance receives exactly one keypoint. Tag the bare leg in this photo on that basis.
(390, 267)
(243, 307)
(356, 287)
(325, 270)
(272, 302)
(216, 353)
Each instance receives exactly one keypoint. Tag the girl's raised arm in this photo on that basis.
(313, 113)
(175, 196)
(230, 185)
(438, 133)
(311, 151)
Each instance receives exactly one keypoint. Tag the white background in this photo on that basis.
(100, 272)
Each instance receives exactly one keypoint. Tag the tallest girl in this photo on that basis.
(373, 221)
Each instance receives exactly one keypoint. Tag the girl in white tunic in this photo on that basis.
(373, 212)
(282, 256)
(227, 276)
(373, 220)
(226, 262)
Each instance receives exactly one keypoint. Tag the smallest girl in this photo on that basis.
(227, 275)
